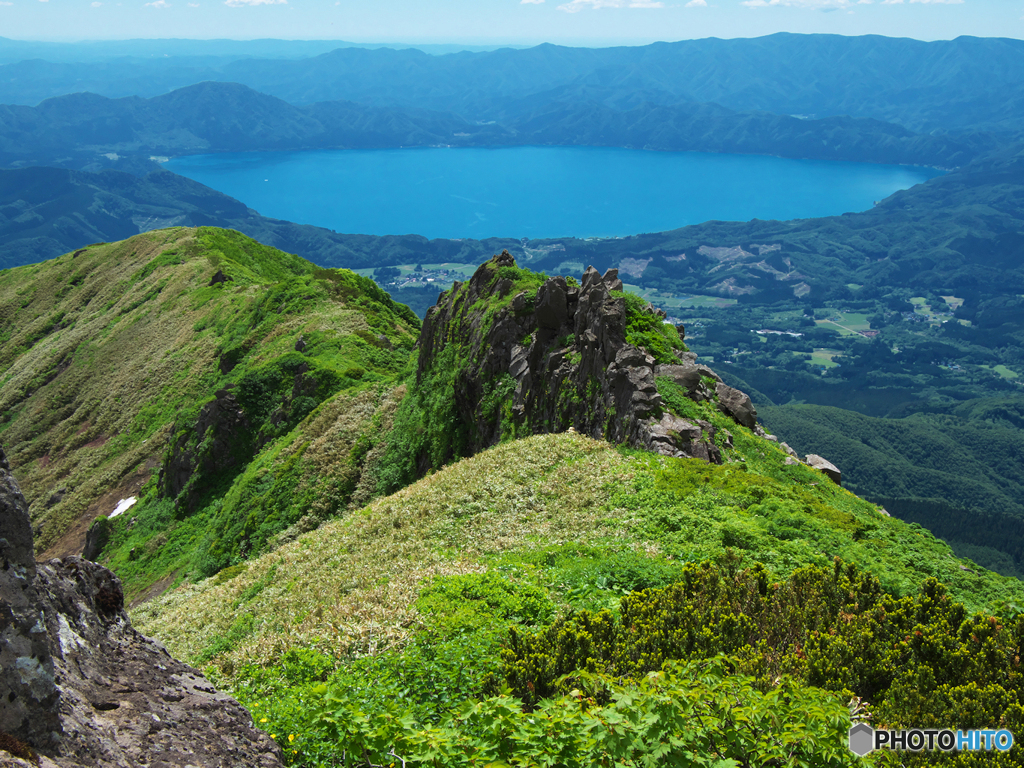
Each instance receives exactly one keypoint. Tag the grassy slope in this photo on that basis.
(349, 587)
(389, 629)
(110, 351)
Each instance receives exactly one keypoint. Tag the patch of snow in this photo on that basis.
(122, 506)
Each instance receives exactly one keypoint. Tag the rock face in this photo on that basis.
(83, 688)
(217, 446)
(559, 359)
(28, 694)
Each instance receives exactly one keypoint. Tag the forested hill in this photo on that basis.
(45, 212)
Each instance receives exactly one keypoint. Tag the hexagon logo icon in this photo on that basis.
(862, 739)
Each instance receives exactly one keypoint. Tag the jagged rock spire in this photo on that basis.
(562, 351)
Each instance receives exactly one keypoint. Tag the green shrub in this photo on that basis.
(700, 715)
(644, 329)
(493, 596)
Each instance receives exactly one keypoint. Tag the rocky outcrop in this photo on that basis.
(82, 688)
(27, 689)
(830, 470)
(213, 449)
(558, 355)
(737, 404)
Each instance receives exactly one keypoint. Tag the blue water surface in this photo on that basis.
(538, 191)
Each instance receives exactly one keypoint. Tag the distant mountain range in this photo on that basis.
(91, 132)
(965, 84)
(197, 52)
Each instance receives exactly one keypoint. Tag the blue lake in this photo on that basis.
(538, 191)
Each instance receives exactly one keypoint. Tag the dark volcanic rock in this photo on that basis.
(28, 693)
(84, 689)
(124, 701)
(216, 447)
(96, 538)
(561, 355)
(736, 404)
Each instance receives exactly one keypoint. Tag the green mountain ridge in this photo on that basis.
(114, 353)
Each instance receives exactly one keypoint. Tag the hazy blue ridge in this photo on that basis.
(963, 84)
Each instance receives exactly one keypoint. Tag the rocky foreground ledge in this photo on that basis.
(79, 687)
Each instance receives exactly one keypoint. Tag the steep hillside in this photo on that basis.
(161, 366)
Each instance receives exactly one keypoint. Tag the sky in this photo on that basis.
(488, 22)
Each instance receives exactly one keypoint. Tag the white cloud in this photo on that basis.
(831, 5)
(158, 4)
(243, 3)
(827, 5)
(530, 2)
(6, 3)
(96, 5)
(697, 4)
(581, 5)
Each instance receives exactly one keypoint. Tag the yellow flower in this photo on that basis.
(263, 720)
(291, 737)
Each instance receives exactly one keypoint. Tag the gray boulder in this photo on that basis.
(737, 405)
(825, 466)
